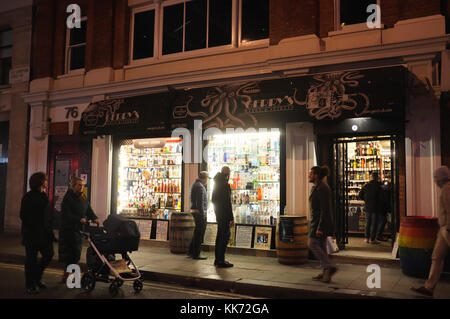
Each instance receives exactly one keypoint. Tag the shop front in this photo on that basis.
(258, 129)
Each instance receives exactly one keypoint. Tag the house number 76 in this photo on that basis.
(71, 112)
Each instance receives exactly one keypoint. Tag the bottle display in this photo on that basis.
(150, 180)
(254, 160)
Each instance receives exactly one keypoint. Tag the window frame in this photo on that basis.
(249, 43)
(156, 40)
(351, 27)
(6, 47)
(68, 48)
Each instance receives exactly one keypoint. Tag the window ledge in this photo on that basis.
(254, 45)
(72, 74)
(353, 28)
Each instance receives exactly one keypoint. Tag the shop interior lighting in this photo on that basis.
(245, 135)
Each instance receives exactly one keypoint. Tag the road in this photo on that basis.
(12, 285)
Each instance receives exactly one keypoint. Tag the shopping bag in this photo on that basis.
(331, 245)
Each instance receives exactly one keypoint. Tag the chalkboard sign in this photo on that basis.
(286, 230)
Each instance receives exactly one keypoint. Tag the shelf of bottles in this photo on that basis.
(254, 160)
(362, 161)
(150, 183)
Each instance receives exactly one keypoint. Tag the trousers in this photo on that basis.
(33, 268)
(222, 239)
(318, 247)
(438, 258)
(199, 233)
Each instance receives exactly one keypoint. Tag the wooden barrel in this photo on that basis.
(181, 231)
(292, 240)
(415, 244)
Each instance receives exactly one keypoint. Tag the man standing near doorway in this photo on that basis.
(442, 245)
(221, 198)
(199, 207)
(371, 194)
(321, 224)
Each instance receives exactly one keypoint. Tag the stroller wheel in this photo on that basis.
(113, 289)
(88, 281)
(137, 285)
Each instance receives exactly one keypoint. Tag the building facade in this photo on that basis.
(165, 56)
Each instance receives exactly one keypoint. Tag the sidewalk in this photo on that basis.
(255, 276)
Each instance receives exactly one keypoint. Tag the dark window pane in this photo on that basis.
(355, 11)
(78, 36)
(144, 30)
(195, 25)
(5, 66)
(219, 22)
(77, 57)
(173, 29)
(255, 20)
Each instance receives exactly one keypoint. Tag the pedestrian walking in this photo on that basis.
(442, 245)
(321, 224)
(372, 195)
(37, 233)
(221, 198)
(75, 210)
(199, 207)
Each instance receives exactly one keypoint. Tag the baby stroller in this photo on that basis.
(119, 235)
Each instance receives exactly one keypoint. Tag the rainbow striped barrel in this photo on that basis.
(415, 244)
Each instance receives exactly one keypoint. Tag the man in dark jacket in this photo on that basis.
(75, 211)
(37, 234)
(321, 222)
(199, 207)
(372, 194)
(221, 199)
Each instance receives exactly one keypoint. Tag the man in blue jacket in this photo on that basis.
(199, 207)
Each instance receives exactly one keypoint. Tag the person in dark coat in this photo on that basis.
(386, 208)
(37, 233)
(372, 194)
(321, 222)
(221, 198)
(199, 207)
(75, 211)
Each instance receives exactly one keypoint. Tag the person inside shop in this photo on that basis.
(37, 232)
(75, 211)
(372, 195)
(221, 198)
(386, 208)
(442, 245)
(321, 223)
(199, 207)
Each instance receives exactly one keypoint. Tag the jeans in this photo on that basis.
(381, 223)
(371, 225)
(199, 232)
(33, 268)
(318, 246)
(222, 238)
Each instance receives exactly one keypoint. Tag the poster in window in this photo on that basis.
(263, 237)
(232, 241)
(145, 228)
(244, 236)
(161, 230)
(210, 234)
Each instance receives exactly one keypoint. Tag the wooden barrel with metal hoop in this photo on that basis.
(180, 232)
(292, 240)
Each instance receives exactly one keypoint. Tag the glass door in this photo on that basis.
(340, 193)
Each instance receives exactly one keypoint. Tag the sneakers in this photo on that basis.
(328, 274)
(222, 264)
(423, 291)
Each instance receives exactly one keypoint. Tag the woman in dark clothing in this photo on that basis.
(75, 211)
(37, 233)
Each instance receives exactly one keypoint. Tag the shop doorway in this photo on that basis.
(355, 159)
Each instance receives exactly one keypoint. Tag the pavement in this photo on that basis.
(255, 276)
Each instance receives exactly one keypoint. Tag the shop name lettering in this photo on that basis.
(115, 118)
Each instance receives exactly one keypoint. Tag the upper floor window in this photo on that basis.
(5, 55)
(76, 47)
(143, 34)
(353, 12)
(196, 24)
(254, 20)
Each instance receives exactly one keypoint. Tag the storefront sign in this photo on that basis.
(244, 236)
(330, 96)
(263, 237)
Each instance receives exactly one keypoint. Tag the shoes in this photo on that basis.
(328, 274)
(32, 291)
(223, 264)
(41, 285)
(381, 239)
(318, 277)
(374, 242)
(423, 291)
(200, 257)
(367, 240)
